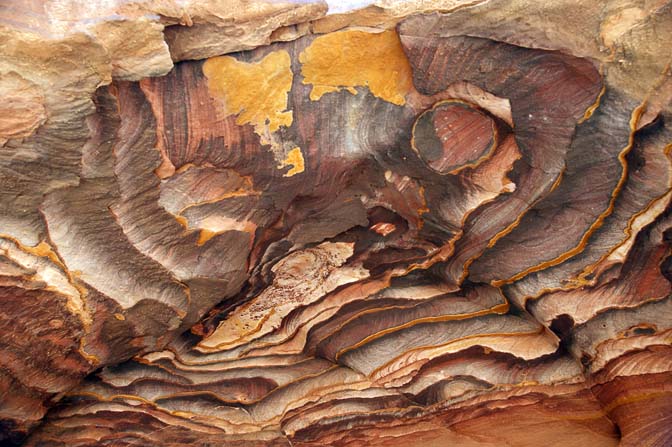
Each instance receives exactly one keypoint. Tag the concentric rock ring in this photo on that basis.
(454, 135)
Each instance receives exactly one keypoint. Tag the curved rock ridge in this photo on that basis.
(449, 228)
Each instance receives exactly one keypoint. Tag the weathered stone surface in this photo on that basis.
(223, 26)
(416, 223)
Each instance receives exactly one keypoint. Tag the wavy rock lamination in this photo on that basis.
(452, 229)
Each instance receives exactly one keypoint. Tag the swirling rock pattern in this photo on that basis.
(453, 229)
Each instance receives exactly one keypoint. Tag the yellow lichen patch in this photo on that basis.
(295, 160)
(256, 92)
(356, 58)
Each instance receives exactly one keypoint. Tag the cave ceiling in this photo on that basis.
(405, 223)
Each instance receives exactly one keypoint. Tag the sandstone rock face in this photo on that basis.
(415, 223)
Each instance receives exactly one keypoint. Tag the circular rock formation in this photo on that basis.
(454, 135)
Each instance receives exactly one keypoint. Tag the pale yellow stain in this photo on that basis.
(256, 92)
(215, 225)
(353, 58)
(295, 160)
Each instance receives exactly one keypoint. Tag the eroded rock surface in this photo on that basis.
(418, 223)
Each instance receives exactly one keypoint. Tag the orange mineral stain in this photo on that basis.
(347, 59)
(256, 92)
(295, 160)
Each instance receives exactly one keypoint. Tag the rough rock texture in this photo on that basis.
(419, 223)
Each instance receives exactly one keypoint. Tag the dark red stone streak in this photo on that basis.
(40, 355)
(640, 404)
(439, 426)
(189, 128)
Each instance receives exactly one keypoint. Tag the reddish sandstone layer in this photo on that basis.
(453, 231)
